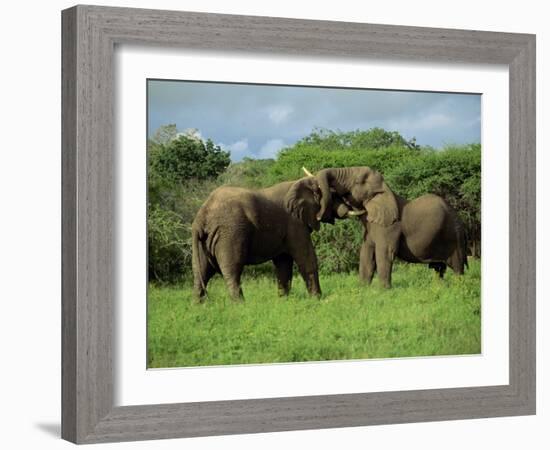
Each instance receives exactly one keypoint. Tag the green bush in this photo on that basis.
(372, 139)
(289, 164)
(169, 251)
(337, 246)
(453, 173)
(248, 173)
(169, 229)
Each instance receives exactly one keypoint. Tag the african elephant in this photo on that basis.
(237, 227)
(427, 230)
(424, 230)
(354, 185)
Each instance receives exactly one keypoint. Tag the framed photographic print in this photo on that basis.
(256, 209)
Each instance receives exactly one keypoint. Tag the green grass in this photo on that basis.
(420, 316)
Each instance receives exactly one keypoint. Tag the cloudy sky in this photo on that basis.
(258, 120)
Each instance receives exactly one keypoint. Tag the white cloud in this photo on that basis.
(278, 114)
(238, 149)
(270, 148)
(422, 122)
(192, 133)
(229, 112)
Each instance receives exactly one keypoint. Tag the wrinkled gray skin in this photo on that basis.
(424, 230)
(427, 230)
(354, 184)
(236, 227)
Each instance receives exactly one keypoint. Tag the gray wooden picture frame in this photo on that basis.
(89, 37)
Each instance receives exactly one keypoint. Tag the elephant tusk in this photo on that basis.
(307, 172)
(356, 213)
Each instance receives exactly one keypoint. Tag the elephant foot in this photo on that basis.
(312, 281)
(314, 293)
(238, 298)
(385, 282)
(283, 291)
(440, 268)
(366, 281)
(199, 297)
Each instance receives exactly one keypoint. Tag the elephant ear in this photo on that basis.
(302, 201)
(382, 208)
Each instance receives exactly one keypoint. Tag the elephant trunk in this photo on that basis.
(339, 179)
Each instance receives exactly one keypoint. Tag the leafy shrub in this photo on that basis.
(169, 229)
(337, 246)
(248, 173)
(454, 174)
(289, 164)
(168, 245)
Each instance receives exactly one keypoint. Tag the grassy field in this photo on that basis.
(421, 315)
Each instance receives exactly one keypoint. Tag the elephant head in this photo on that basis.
(359, 187)
(303, 201)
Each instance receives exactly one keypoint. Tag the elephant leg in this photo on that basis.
(201, 278)
(384, 256)
(231, 255)
(312, 282)
(439, 267)
(283, 269)
(456, 263)
(306, 260)
(232, 276)
(367, 262)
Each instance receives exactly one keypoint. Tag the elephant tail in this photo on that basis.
(199, 261)
(465, 247)
(462, 243)
(458, 258)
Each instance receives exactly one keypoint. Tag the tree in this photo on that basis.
(164, 134)
(373, 139)
(185, 157)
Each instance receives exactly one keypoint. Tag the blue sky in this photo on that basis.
(258, 120)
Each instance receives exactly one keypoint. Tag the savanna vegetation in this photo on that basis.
(421, 315)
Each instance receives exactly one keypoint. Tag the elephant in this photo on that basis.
(427, 230)
(424, 230)
(354, 185)
(237, 227)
